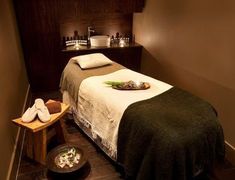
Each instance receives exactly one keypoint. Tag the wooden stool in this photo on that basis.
(36, 134)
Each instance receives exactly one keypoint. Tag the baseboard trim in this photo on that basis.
(15, 155)
(230, 152)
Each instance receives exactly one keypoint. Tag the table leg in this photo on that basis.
(29, 144)
(60, 131)
(40, 146)
(37, 146)
(36, 142)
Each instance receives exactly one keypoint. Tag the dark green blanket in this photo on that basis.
(171, 136)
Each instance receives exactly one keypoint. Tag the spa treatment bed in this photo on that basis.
(162, 132)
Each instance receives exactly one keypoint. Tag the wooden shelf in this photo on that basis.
(83, 48)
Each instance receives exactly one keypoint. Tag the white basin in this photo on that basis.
(100, 40)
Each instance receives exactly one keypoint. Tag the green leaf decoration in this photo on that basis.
(114, 83)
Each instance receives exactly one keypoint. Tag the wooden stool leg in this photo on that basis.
(29, 144)
(37, 145)
(60, 131)
(40, 146)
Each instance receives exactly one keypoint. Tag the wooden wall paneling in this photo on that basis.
(21, 12)
(130, 6)
(70, 9)
(102, 24)
(41, 41)
(79, 14)
(43, 23)
(101, 6)
(125, 6)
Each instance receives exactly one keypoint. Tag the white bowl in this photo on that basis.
(100, 40)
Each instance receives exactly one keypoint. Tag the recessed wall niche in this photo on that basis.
(102, 24)
(105, 16)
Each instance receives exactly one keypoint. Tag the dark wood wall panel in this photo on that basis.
(105, 16)
(40, 37)
(102, 24)
(43, 23)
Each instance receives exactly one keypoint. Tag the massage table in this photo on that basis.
(163, 132)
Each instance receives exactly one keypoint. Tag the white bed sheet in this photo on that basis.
(100, 107)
